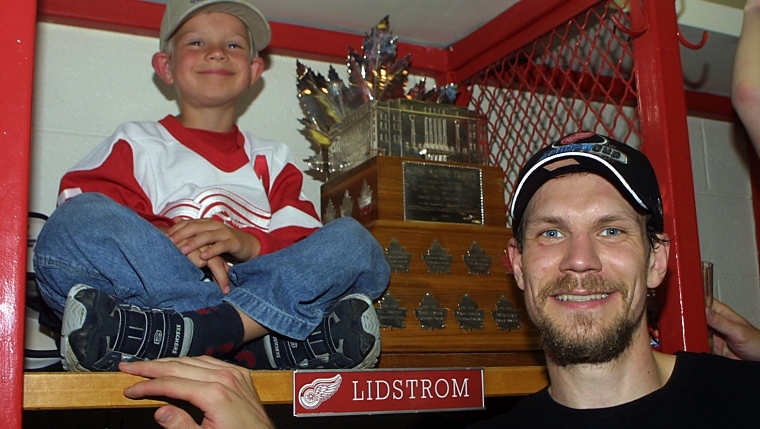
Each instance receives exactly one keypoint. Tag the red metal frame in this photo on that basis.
(710, 106)
(663, 122)
(515, 27)
(17, 34)
(662, 109)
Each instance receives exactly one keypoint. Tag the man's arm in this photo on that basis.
(745, 85)
(224, 392)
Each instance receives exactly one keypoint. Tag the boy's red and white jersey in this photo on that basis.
(163, 170)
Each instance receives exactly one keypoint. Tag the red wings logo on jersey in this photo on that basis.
(223, 205)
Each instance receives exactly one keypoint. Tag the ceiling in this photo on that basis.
(434, 23)
(441, 23)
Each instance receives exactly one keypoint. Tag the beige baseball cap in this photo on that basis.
(178, 11)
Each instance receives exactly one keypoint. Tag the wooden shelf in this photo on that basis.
(66, 390)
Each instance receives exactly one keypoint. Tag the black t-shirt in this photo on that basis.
(704, 391)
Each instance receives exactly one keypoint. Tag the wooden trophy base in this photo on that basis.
(450, 301)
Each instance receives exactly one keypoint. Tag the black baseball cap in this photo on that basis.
(625, 167)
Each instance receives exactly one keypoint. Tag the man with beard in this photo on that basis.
(589, 243)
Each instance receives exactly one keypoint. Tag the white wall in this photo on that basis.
(724, 212)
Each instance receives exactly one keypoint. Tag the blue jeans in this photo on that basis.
(93, 240)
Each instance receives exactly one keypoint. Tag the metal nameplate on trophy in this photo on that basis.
(442, 193)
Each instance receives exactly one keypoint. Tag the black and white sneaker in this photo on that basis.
(348, 337)
(99, 331)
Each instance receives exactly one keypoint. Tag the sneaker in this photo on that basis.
(348, 337)
(99, 331)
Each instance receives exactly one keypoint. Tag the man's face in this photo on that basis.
(585, 267)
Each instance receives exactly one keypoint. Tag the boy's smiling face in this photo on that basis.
(210, 61)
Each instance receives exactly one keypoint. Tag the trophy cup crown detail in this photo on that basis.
(340, 117)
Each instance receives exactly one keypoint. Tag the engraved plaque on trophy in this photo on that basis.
(442, 193)
(430, 314)
(390, 313)
(477, 261)
(469, 315)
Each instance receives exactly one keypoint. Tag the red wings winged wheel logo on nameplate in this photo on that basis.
(312, 395)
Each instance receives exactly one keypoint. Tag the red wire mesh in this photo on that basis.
(578, 76)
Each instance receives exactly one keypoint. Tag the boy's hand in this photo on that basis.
(213, 238)
(217, 265)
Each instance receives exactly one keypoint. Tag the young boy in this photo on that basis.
(187, 236)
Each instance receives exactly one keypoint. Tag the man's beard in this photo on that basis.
(582, 340)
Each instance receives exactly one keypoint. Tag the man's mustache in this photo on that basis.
(591, 283)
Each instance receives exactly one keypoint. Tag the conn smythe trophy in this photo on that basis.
(411, 167)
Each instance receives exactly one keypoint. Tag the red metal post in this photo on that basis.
(17, 32)
(665, 140)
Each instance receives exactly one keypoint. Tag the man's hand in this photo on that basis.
(224, 392)
(734, 337)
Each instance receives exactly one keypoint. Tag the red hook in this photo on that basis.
(629, 31)
(690, 45)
